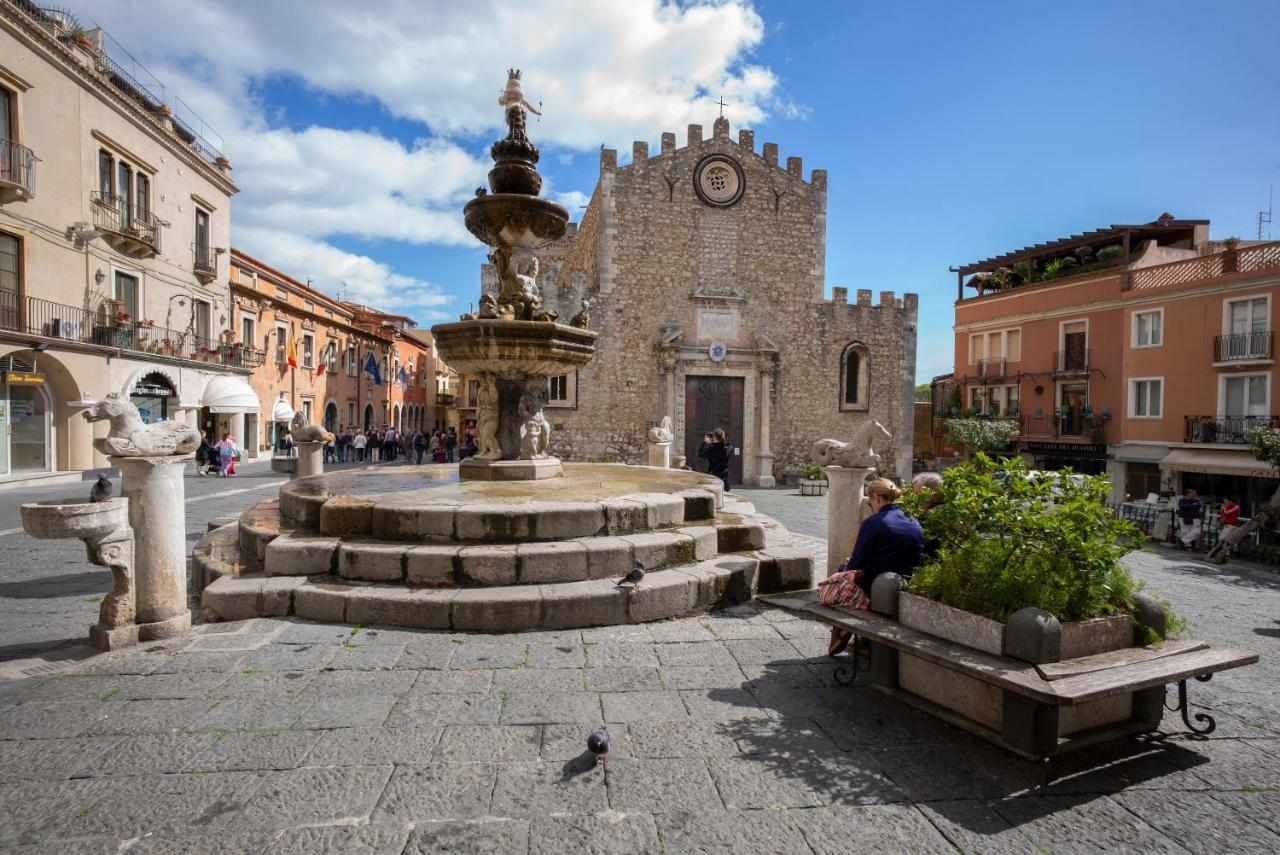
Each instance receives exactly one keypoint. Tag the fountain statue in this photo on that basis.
(513, 343)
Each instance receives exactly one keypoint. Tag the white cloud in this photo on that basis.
(574, 200)
(604, 72)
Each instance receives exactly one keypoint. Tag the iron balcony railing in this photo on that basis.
(445, 399)
(1224, 429)
(991, 368)
(1075, 425)
(17, 166)
(204, 261)
(1070, 361)
(34, 316)
(115, 214)
(1242, 346)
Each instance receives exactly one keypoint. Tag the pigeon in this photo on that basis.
(101, 490)
(598, 745)
(635, 576)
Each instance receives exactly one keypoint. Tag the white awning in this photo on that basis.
(1139, 453)
(226, 394)
(281, 412)
(1217, 461)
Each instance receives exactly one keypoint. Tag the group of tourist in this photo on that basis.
(352, 445)
(1189, 518)
(217, 458)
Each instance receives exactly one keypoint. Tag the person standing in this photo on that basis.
(1230, 517)
(342, 444)
(389, 444)
(358, 443)
(718, 452)
(1189, 513)
(450, 444)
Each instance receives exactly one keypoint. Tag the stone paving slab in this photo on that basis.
(728, 734)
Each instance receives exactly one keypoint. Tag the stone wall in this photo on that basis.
(669, 274)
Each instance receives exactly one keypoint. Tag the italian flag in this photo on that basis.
(324, 357)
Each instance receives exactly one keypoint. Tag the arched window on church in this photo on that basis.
(855, 390)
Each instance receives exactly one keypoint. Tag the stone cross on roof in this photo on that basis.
(722, 105)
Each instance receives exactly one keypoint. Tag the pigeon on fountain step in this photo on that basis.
(101, 490)
(635, 576)
(598, 745)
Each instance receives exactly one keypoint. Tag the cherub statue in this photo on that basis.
(662, 433)
(583, 318)
(513, 101)
(524, 270)
(535, 430)
(487, 420)
(129, 436)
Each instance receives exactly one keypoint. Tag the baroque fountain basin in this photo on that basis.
(513, 349)
(515, 219)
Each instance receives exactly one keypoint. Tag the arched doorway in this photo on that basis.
(25, 419)
(368, 416)
(331, 417)
(151, 394)
(395, 417)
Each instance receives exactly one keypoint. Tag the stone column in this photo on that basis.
(764, 456)
(660, 454)
(158, 515)
(310, 459)
(237, 433)
(846, 493)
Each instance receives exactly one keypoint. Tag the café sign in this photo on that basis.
(23, 378)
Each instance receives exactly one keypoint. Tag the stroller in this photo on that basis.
(208, 460)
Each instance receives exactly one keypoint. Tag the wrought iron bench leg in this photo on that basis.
(846, 673)
(1207, 724)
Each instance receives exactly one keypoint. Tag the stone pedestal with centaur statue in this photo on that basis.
(152, 460)
(848, 465)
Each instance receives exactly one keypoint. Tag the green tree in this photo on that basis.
(981, 435)
(924, 392)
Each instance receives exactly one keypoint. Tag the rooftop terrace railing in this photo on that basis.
(1248, 259)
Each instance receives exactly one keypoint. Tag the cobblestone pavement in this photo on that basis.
(728, 735)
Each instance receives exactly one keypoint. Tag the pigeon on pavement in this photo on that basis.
(101, 490)
(635, 576)
(598, 744)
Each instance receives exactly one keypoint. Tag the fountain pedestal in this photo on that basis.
(158, 515)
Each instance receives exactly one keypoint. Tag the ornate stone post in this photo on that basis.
(660, 444)
(108, 539)
(764, 456)
(156, 492)
(846, 509)
(310, 459)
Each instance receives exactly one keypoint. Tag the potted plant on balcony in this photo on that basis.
(814, 481)
(981, 435)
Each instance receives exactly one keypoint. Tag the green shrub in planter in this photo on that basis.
(981, 434)
(1009, 539)
(814, 472)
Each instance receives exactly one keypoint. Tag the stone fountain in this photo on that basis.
(513, 344)
(512, 539)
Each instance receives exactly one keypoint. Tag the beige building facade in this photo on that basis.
(114, 229)
(704, 268)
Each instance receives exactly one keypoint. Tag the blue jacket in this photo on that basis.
(888, 542)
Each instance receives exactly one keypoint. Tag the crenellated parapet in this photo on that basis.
(905, 306)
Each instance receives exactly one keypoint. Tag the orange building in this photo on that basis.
(407, 401)
(1142, 351)
(330, 341)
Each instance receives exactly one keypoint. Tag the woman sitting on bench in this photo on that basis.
(889, 541)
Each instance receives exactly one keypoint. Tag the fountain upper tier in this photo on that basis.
(513, 349)
(515, 219)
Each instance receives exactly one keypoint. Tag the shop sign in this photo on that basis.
(1069, 448)
(23, 378)
(149, 391)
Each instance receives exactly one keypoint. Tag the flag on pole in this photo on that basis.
(401, 378)
(324, 357)
(371, 368)
(293, 350)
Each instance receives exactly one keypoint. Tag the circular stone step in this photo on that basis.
(535, 563)
(428, 504)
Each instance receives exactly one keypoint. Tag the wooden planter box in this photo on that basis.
(813, 487)
(983, 702)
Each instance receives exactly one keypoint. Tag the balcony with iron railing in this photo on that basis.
(444, 399)
(1068, 362)
(1070, 426)
(1242, 347)
(124, 225)
(1228, 430)
(204, 263)
(45, 318)
(17, 171)
(991, 367)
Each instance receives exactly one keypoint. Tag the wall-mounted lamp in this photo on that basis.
(99, 276)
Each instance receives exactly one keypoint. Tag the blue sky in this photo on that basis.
(950, 131)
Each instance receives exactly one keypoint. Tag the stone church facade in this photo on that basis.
(705, 271)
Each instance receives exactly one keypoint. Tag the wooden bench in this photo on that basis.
(1032, 697)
